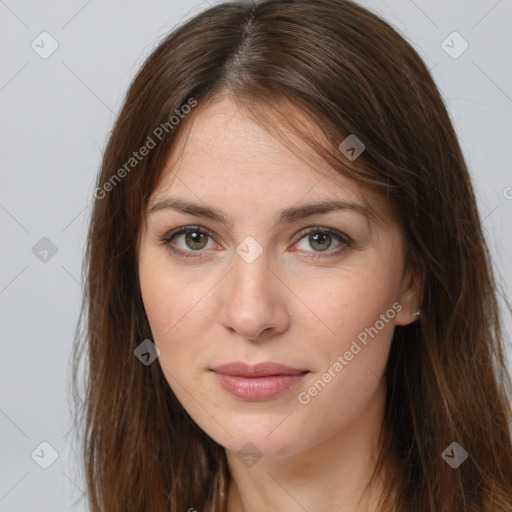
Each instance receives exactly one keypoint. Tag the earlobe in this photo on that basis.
(410, 296)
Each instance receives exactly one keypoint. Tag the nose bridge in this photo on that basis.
(251, 275)
(252, 303)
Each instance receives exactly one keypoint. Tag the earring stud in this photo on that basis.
(417, 313)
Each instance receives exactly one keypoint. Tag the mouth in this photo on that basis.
(258, 382)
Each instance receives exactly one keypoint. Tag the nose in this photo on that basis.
(254, 301)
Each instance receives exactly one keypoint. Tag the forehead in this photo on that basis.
(225, 156)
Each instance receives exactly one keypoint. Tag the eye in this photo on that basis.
(187, 240)
(322, 239)
(190, 239)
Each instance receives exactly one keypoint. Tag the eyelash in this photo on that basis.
(344, 239)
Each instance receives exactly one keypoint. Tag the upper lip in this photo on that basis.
(241, 369)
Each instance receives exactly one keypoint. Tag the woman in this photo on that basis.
(290, 303)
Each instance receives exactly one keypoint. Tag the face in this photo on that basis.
(255, 282)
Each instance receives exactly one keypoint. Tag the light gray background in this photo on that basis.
(55, 116)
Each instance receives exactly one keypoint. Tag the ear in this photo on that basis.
(410, 296)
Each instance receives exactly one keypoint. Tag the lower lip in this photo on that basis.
(258, 388)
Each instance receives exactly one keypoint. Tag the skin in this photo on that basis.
(282, 307)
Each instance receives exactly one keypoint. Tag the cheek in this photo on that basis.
(353, 365)
(175, 308)
(168, 298)
(357, 319)
(347, 304)
(159, 303)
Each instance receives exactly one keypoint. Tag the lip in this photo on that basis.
(265, 369)
(262, 381)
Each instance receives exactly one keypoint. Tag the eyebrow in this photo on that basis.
(285, 216)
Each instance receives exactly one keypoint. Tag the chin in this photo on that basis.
(257, 438)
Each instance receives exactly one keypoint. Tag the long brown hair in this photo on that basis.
(447, 380)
